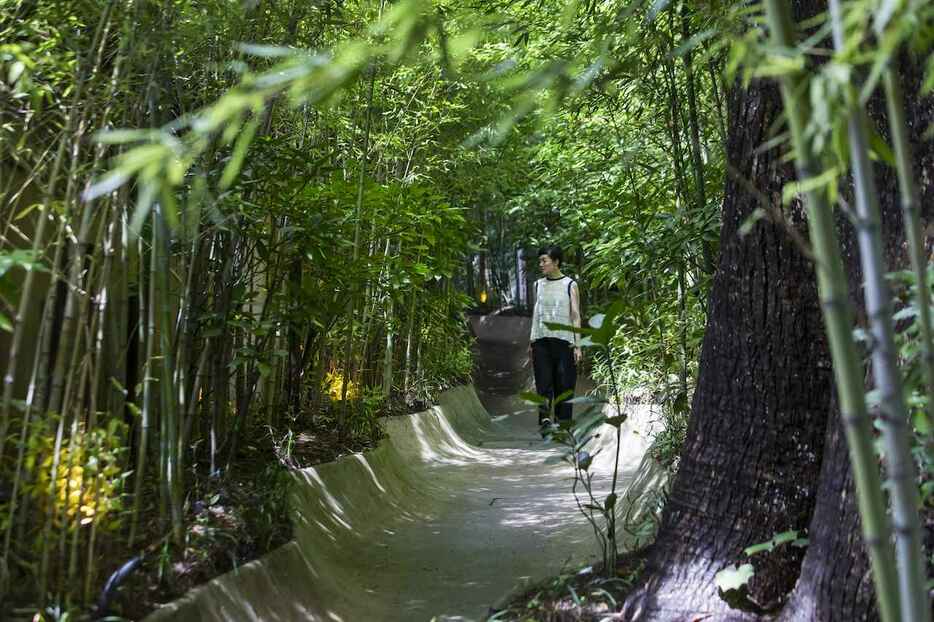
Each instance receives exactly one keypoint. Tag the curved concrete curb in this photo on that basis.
(436, 522)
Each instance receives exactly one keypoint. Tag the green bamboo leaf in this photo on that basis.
(776, 66)
(25, 259)
(568, 327)
(145, 197)
(695, 40)
(169, 208)
(106, 184)
(884, 14)
(121, 137)
(239, 153)
(28, 210)
(463, 42)
(750, 223)
(5, 323)
(880, 149)
(265, 51)
(825, 179)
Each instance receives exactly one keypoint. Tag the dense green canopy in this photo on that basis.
(225, 221)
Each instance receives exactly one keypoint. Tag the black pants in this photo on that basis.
(555, 373)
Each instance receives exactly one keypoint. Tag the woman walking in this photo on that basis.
(555, 352)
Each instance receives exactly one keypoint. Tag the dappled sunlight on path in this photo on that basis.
(442, 519)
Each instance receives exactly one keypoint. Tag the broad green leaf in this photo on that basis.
(535, 398)
(734, 577)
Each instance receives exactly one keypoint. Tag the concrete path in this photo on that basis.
(438, 523)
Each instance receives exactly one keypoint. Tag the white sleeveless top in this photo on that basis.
(552, 304)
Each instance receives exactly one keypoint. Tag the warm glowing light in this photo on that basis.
(483, 296)
(334, 382)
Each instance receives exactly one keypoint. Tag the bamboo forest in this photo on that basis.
(453, 310)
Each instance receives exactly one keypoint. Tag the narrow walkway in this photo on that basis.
(438, 524)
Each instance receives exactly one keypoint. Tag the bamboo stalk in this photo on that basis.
(894, 418)
(47, 527)
(347, 372)
(718, 101)
(407, 373)
(674, 128)
(911, 208)
(26, 295)
(694, 125)
(388, 351)
(18, 473)
(832, 285)
(148, 338)
(169, 408)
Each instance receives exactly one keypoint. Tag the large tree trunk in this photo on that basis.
(760, 409)
(835, 583)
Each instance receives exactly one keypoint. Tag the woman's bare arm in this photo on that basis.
(576, 318)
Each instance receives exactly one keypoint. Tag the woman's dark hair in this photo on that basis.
(554, 252)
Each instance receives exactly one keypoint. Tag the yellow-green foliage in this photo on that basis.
(334, 384)
(88, 480)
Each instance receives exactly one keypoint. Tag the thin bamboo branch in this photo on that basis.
(911, 208)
